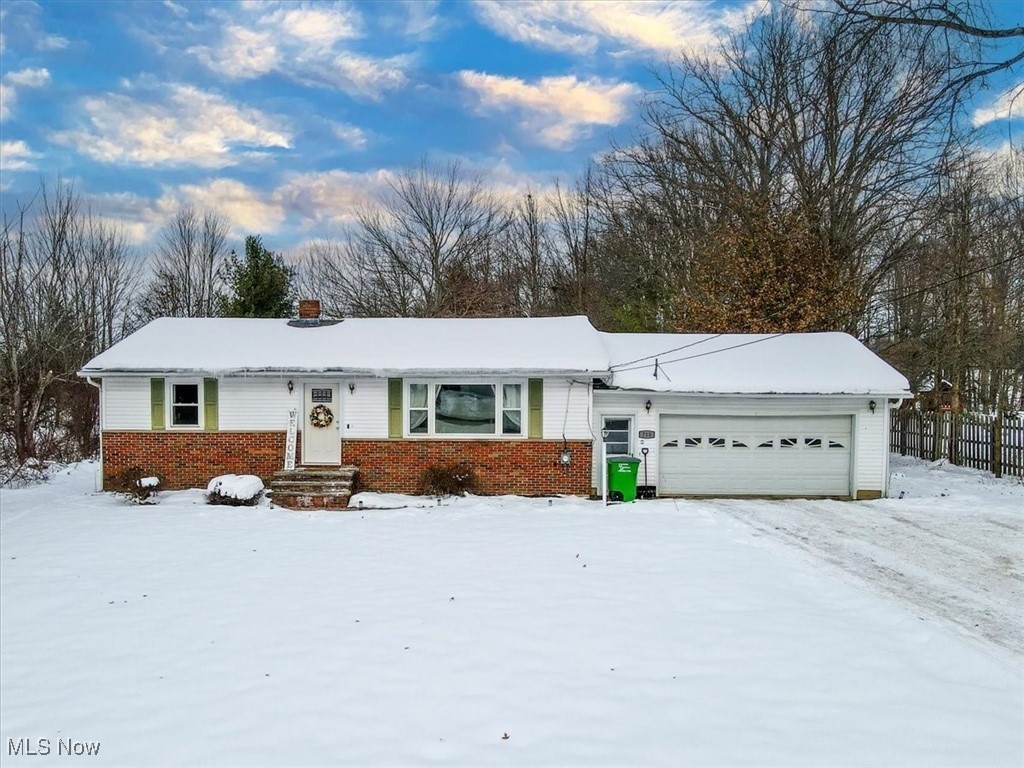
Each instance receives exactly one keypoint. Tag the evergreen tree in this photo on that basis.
(260, 285)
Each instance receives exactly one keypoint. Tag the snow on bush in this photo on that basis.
(236, 490)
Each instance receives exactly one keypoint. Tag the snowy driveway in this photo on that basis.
(952, 547)
(500, 631)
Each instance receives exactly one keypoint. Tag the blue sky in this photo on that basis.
(286, 117)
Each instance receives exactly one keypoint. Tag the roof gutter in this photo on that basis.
(374, 373)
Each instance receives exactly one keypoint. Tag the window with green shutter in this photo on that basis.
(210, 406)
(536, 403)
(156, 403)
(394, 407)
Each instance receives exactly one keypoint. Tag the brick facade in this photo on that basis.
(525, 467)
(190, 459)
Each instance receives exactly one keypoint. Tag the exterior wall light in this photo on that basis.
(291, 386)
(351, 388)
(647, 405)
(872, 405)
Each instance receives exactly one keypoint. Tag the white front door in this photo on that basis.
(321, 425)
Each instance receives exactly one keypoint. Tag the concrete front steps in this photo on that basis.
(313, 487)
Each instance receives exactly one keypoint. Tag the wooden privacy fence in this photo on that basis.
(993, 443)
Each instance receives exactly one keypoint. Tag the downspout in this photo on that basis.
(99, 388)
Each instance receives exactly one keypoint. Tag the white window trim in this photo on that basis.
(169, 385)
(431, 434)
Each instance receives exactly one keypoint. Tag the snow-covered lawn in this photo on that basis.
(658, 633)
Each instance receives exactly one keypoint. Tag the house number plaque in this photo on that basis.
(320, 395)
(646, 434)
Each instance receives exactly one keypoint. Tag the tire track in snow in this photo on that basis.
(974, 584)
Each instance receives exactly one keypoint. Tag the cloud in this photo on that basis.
(1008, 105)
(178, 10)
(247, 209)
(29, 78)
(659, 26)
(352, 135)
(321, 27)
(357, 75)
(242, 53)
(331, 197)
(557, 111)
(8, 97)
(16, 156)
(52, 43)
(181, 126)
(23, 78)
(303, 43)
(414, 19)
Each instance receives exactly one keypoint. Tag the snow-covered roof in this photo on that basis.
(796, 363)
(373, 346)
(810, 363)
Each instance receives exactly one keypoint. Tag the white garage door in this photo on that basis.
(754, 455)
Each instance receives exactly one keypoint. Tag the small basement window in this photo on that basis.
(185, 405)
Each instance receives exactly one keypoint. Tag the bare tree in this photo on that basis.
(964, 27)
(794, 118)
(427, 249)
(66, 284)
(955, 312)
(191, 249)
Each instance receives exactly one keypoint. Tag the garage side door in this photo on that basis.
(755, 456)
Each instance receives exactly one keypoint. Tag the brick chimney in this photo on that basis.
(309, 309)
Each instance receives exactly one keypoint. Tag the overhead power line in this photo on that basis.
(620, 367)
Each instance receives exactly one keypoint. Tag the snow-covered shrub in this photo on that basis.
(451, 480)
(138, 485)
(234, 490)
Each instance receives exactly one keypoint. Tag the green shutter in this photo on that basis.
(156, 403)
(394, 407)
(210, 411)
(536, 402)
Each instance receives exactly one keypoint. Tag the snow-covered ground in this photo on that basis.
(658, 633)
(952, 547)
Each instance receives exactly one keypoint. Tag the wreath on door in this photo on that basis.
(321, 417)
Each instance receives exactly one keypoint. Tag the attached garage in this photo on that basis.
(788, 415)
(755, 455)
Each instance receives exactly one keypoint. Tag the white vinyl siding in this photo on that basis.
(257, 403)
(366, 409)
(870, 437)
(567, 402)
(126, 403)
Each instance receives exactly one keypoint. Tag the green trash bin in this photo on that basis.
(622, 477)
